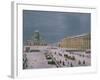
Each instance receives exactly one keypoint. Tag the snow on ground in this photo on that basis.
(38, 59)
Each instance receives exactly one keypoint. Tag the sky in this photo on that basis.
(54, 26)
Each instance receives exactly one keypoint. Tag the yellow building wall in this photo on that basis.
(76, 43)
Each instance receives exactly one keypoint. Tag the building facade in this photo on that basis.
(36, 40)
(81, 42)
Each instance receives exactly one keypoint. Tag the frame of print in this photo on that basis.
(49, 40)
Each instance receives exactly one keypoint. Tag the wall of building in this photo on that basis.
(76, 42)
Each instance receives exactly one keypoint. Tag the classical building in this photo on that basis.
(36, 40)
(76, 42)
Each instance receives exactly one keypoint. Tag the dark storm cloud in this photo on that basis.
(54, 26)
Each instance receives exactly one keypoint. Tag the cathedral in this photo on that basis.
(36, 40)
